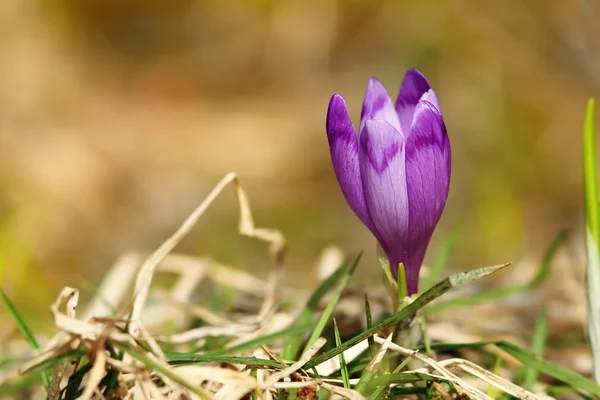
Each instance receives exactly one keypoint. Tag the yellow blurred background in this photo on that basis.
(118, 116)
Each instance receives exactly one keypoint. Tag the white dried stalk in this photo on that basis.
(328, 367)
(246, 227)
(306, 357)
(95, 375)
(472, 391)
(490, 378)
(115, 286)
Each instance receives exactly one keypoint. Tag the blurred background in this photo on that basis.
(118, 116)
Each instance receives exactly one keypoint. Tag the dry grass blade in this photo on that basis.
(246, 227)
(328, 367)
(345, 393)
(468, 389)
(489, 377)
(284, 373)
(67, 321)
(114, 287)
(95, 375)
(380, 354)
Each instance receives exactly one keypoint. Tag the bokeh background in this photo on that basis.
(118, 116)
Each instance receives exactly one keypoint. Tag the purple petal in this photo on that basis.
(343, 146)
(378, 105)
(384, 184)
(427, 182)
(414, 87)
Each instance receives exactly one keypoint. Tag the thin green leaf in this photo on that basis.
(431, 294)
(592, 234)
(292, 346)
(402, 377)
(254, 374)
(369, 317)
(281, 394)
(493, 294)
(72, 388)
(363, 384)
(343, 368)
(328, 312)
(25, 332)
(402, 390)
(292, 394)
(323, 394)
(187, 358)
(538, 344)
(21, 325)
(379, 392)
(562, 374)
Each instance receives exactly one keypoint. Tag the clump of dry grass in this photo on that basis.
(153, 344)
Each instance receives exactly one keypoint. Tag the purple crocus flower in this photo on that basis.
(395, 175)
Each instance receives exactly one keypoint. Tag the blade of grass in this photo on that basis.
(492, 391)
(369, 317)
(343, 368)
(328, 312)
(185, 358)
(254, 392)
(292, 347)
(74, 382)
(25, 332)
(504, 291)
(402, 377)
(562, 374)
(431, 294)
(592, 235)
(538, 344)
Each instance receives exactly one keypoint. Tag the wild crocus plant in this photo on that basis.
(395, 174)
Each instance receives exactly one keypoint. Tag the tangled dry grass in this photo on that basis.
(148, 343)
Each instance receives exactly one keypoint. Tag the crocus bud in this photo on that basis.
(395, 175)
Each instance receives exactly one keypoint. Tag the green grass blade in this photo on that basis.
(328, 312)
(431, 294)
(21, 325)
(592, 235)
(538, 343)
(292, 346)
(186, 358)
(25, 332)
(369, 318)
(343, 368)
(559, 373)
(493, 294)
